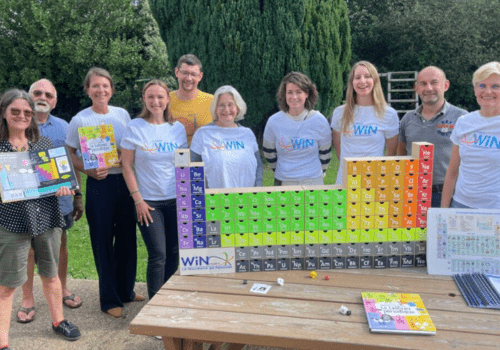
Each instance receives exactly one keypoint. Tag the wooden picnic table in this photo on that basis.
(303, 313)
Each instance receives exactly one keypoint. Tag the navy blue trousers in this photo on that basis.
(111, 219)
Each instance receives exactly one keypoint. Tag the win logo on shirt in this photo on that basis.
(160, 147)
(228, 145)
(295, 144)
(362, 130)
(479, 139)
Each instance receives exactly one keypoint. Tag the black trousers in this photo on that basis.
(111, 219)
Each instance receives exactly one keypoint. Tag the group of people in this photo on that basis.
(297, 143)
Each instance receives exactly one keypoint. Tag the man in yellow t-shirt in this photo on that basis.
(189, 105)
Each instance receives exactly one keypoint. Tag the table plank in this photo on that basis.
(280, 331)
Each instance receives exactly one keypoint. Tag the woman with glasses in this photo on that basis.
(472, 179)
(229, 150)
(25, 223)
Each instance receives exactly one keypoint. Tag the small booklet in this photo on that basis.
(35, 174)
(397, 313)
(479, 290)
(98, 146)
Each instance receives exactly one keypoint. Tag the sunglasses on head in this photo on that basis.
(17, 112)
(48, 95)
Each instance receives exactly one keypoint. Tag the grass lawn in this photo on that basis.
(81, 259)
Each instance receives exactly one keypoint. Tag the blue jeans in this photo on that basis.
(455, 204)
(436, 199)
(162, 244)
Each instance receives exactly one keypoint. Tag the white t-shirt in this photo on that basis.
(228, 154)
(116, 116)
(367, 136)
(478, 183)
(297, 145)
(154, 146)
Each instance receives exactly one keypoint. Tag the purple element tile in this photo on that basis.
(186, 242)
(182, 173)
(184, 214)
(198, 214)
(199, 241)
(183, 187)
(183, 201)
(197, 201)
(199, 228)
(198, 187)
(197, 173)
(184, 228)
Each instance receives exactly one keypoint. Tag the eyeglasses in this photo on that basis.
(48, 95)
(229, 105)
(493, 87)
(17, 112)
(186, 74)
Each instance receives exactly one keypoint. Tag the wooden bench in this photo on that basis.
(303, 314)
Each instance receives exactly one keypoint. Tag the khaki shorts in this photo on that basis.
(14, 248)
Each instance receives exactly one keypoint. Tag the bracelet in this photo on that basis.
(78, 194)
(139, 201)
(134, 191)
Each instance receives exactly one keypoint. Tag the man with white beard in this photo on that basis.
(44, 95)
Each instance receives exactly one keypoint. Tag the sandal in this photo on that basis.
(27, 311)
(72, 298)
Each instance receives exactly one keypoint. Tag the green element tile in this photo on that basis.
(311, 224)
(325, 223)
(283, 224)
(226, 200)
(283, 238)
(297, 237)
(269, 225)
(339, 209)
(241, 226)
(339, 222)
(282, 197)
(269, 238)
(226, 213)
(311, 209)
(311, 196)
(297, 210)
(325, 196)
(227, 240)
(297, 224)
(325, 209)
(256, 198)
(241, 239)
(325, 236)
(283, 211)
(227, 227)
(255, 212)
(420, 234)
(297, 197)
(408, 234)
(212, 200)
(269, 198)
(255, 225)
(339, 236)
(394, 235)
(339, 196)
(380, 235)
(352, 236)
(241, 198)
(255, 239)
(240, 212)
(311, 237)
(212, 213)
(367, 236)
(268, 211)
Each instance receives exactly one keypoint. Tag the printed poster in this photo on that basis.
(98, 146)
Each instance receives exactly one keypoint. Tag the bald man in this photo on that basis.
(432, 122)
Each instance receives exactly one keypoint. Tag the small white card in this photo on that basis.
(260, 288)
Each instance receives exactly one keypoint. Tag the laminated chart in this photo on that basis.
(377, 219)
(98, 146)
(463, 241)
(28, 175)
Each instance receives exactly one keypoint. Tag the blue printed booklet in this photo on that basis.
(479, 290)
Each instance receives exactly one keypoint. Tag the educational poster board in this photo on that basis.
(207, 261)
(29, 175)
(463, 241)
(98, 146)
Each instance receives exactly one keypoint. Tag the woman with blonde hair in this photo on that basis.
(148, 149)
(364, 126)
(472, 179)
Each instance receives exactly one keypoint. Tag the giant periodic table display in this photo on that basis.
(376, 219)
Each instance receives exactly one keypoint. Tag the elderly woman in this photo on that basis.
(149, 147)
(472, 178)
(109, 207)
(229, 150)
(297, 140)
(35, 221)
(364, 126)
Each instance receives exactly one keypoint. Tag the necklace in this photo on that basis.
(20, 148)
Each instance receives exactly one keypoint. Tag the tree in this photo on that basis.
(61, 40)
(457, 36)
(252, 45)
